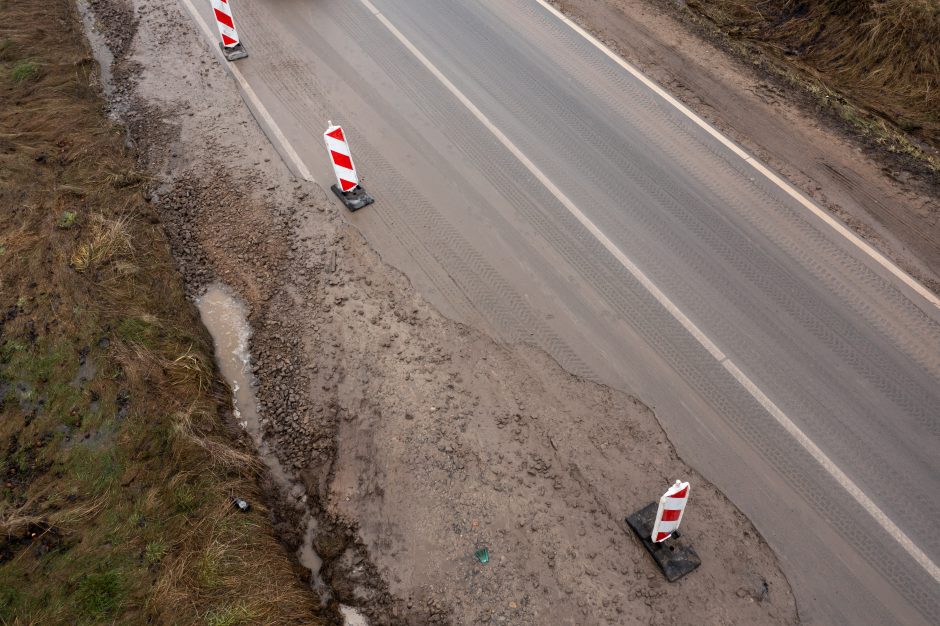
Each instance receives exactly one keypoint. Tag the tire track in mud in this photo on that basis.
(627, 297)
(814, 317)
(306, 95)
(463, 136)
(480, 284)
(759, 269)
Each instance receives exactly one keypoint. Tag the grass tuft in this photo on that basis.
(67, 219)
(110, 239)
(26, 71)
(99, 595)
(155, 551)
(231, 616)
(120, 180)
(211, 566)
(187, 498)
(191, 368)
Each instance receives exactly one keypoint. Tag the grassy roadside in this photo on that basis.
(117, 464)
(875, 65)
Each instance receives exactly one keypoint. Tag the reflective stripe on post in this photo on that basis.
(671, 508)
(223, 18)
(341, 158)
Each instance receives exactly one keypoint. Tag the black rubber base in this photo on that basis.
(354, 199)
(675, 557)
(233, 53)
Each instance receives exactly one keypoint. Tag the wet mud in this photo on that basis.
(226, 319)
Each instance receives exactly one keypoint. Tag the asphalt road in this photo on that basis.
(530, 185)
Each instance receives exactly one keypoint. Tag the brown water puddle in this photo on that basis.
(226, 318)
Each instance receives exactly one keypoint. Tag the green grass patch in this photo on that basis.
(99, 595)
(95, 470)
(187, 498)
(155, 551)
(9, 598)
(211, 566)
(33, 364)
(135, 330)
(10, 349)
(67, 219)
(25, 71)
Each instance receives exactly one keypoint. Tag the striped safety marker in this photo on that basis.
(341, 157)
(223, 17)
(669, 514)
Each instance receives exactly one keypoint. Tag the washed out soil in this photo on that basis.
(418, 440)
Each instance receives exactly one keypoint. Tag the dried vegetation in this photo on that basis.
(117, 467)
(875, 62)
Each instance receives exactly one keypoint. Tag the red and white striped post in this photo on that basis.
(671, 508)
(656, 523)
(231, 45)
(341, 157)
(348, 186)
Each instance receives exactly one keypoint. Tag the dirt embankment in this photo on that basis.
(418, 440)
(118, 455)
(882, 55)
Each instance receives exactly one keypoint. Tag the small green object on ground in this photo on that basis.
(483, 555)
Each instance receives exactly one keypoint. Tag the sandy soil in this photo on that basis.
(418, 439)
(884, 197)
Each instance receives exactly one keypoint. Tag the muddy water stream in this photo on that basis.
(99, 47)
(226, 319)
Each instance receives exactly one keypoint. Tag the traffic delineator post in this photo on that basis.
(669, 513)
(657, 526)
(231, 45)
(348, 187)
(341, 158)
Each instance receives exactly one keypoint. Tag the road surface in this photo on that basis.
(531, 185)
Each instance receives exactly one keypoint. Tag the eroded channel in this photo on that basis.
(226, 318)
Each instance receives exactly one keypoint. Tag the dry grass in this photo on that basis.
(115, 490)
(221, 454)
(882, 57)
(109, 241)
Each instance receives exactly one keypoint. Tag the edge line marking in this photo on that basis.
(255, 102)
(788, 425)
(822, 214)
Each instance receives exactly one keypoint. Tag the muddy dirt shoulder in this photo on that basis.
(220, 231)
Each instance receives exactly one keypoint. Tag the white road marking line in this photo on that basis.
(838, 226)
(286, 146)
(883, 520)
(827, 464)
